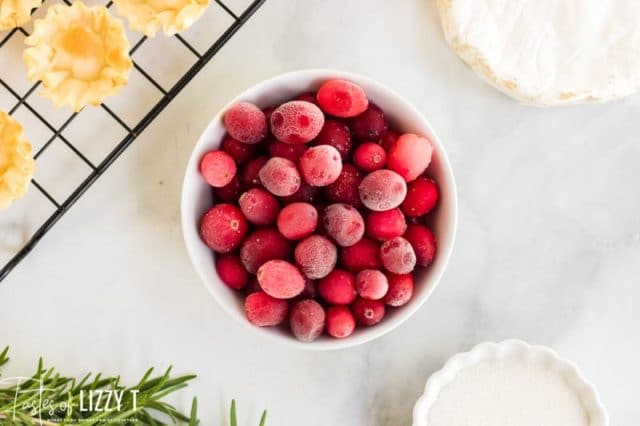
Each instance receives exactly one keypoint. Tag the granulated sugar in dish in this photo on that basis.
(508, 393)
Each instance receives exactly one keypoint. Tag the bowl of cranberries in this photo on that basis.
(319, 208)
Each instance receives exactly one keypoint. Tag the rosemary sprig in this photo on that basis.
(234, 417)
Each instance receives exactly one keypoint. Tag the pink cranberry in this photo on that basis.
(382, 190)
(422, 197)
(368, 312)
(261, 246)
(410, 156)
(423, 242)
(217, 168)
(305, 194)
(307, 97)
(231, 271)
(230, 192)
(297, 220)
(265, 311)
(338, 288)
(320, 165)
(336, 134)
(280, 176)
(339, 322)
(342, 98)
(388, 139)
(289, 151)
(344, 224)
(345, 188)
(307, 320)
(370, 125)
(241, 152)
(400, 289)
(371, 284)
(316, 256)
(280, 279)
(259, 206)
(386, 225)
(365, 254)
(223, 227)
(250, 178)
(369, 157)
(246, 122)
(398, 256)
(296, 122)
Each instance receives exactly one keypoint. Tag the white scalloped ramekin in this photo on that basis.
(510, 349)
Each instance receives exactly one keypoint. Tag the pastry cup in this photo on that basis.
(15, 13)
(540, 356)
(81, 55)
(173, 16)
(16, 161)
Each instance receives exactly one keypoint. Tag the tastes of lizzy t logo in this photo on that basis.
(33, 399)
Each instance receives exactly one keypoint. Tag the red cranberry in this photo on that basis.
(336, 134)
(370, 125)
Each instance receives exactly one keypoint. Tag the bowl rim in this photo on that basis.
(407, 311)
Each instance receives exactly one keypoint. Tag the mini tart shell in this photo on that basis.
(173, 16)
(15, 13)
(81, 55)
(16, 161)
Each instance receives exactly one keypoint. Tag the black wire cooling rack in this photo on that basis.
(202, 57)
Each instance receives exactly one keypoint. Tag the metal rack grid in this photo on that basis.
(132, 132)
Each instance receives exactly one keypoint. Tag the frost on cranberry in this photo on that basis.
(297, 220)
(339, 322)
(410, 156)
(386, 225)
(259, 206)
(280, 279)
(296, 122)
(423, 242)
(289, 151)
(371, 284)
(336, 134)
(223, 227)
(280, 176)
(246, 122)
(368, 312)
(320, 165)
(230, 192)
(345, 188)
(231, 271)
(265, 311)
(400, 289)
(342, 98)
(261, 246)
(344, 224)
(250, 178)
(370, 125)
(241, 152)
(397, 256)
(338, 288)
(217, 168)
(316, 256)
(307, 320)
(382, 190)
(365, 254)
(422, 197)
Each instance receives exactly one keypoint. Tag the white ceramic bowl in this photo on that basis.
(512, 349)
(197, 199)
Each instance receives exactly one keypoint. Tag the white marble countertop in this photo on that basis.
(548, 247)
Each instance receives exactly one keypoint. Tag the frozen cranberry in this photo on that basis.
(231, 271)
(365, 254)
(400, 289)
(342, 98)
(316, 256)
(261, 246)
(217, 168)
(388, 139)
(371, 284)
(250, 178)
(223, 227)
(422, 197)
(398, 256)
(230, 192)
(305, 194)
(368, 312)
(320, 165)
(336, 134)
(386, 225)
(296, 122)
(297, 220)
(369, 157)
(259, 206)
(338, 288)
(339, 322)
(280, 279)
(245, 122)
(307, 97)
(307, 320)
(289, 151)
(345, 188)
(370, 125)
(265, 311)
(280, 176)
(382, 190)
(241, 152)
(410, 156)
(343, 223)
(423, 242)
